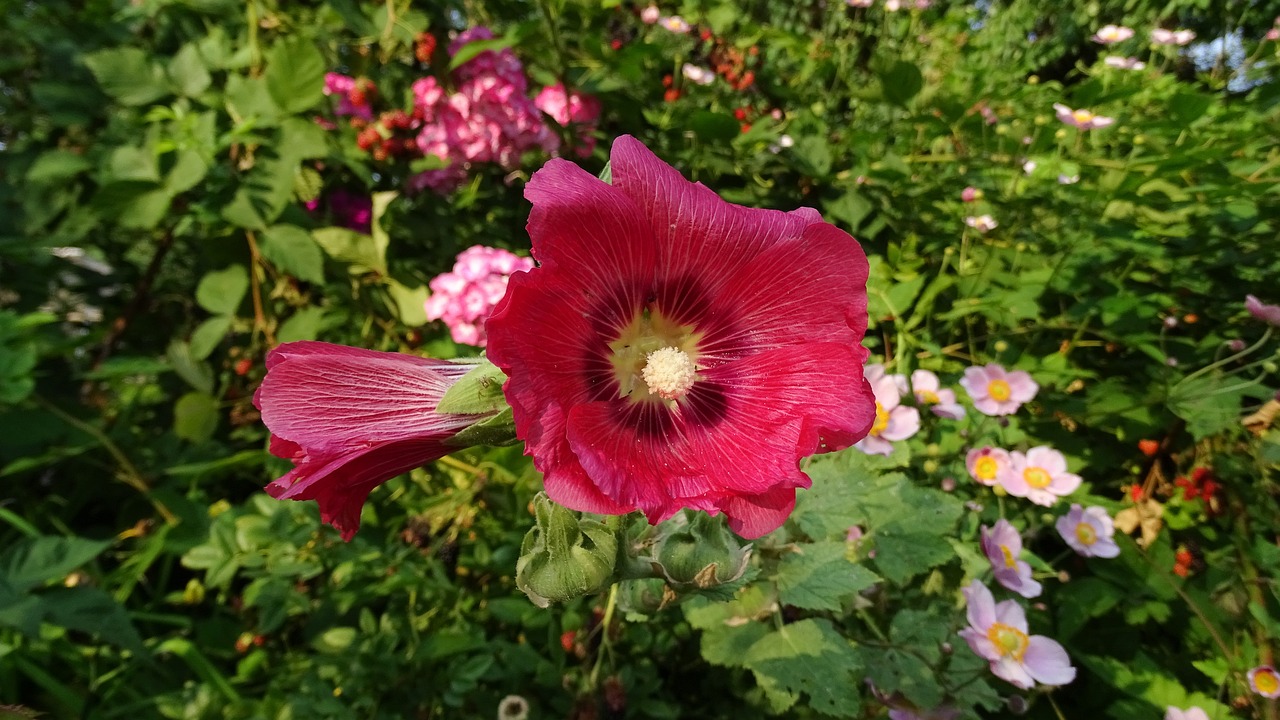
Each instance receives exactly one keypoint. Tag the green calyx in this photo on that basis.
(565, 555)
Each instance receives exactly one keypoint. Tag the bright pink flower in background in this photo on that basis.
(465, 297)
(673, 350)
(575, 108)
(982, 223)
(986, 464)
(1191, 713)
(894, 421)
(1082, 119)
(650, 15)
(1160, 36)
(1040, 476)
(929, 391)
(1272, 34)
(1002, 545)
(998, 633)
(350, 103)
(1265, 681)
(1266, 313)
(1089, 531)
(351, 419)
(970, 194)
(1111, 34)
(995, 391)
(1124, 63)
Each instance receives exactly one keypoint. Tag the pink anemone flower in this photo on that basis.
(673, 350)
(1160, 36)
(995, 391)
(1265, 681)
(1082, 119)
(1123, 63)
(1040, 476)
(981, 223)
(351, 419)
(929, 391)
(894, 421)
(986, 464)
(998, 633)
(1002, 545)
(1266, 313)
(1112, 34)
(1191, 713)
(1089, 531)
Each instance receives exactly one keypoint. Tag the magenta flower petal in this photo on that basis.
(1266, 313)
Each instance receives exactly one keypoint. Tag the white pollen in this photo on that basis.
(669, 373)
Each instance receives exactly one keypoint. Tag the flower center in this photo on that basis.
(882, 420)
(669, 373)
(928, 396)
(999, 390)
(986, 468)
(1009, 560)
(1010, 641)
(1267, 681)
(1036, 478)
(1086, 534)
(1082, 116)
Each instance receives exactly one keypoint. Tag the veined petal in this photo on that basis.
(752, 516)
(1047, 662)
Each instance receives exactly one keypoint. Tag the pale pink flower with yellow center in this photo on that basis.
(998, 633)
(894, 421)
(1123, 63)
(674, 23)
(1191, 713)
(1002, 545)
(697, 74)
(929, 391)
(1089, 531)
(986, 464)
(1040, 476)
(1082, 119)
(981, 223)
(1160, 36)
(997, 392)
(1265, 681)
(1112, 34)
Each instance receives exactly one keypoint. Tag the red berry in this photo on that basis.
(740, 114)
(1148, 447)
(567, 639)
(243, 366)
(616, 44)
(671, 95)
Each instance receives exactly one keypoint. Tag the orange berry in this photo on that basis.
(1149, 447)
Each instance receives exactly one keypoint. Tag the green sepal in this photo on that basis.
(479, 392)
(607, 173)
(497, 431)
(565, 555)
(700, 552)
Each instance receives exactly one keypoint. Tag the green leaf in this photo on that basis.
(250, 101)
(807, 657)
(56, 166)
(851, 208)
(295, 74)
(195, 373)
(818, 576)
(479, 392)
(1210, 404)
(727, 645)
(195, 417)
(349, 246)
(901, 82)
(475, 47)
(713, 126)
(902, 553)
(188, 170)
(32, 562)
(410, 302)
(302, 325)
(134, 163)
(1081, 600)
(91, 610)
(221, 291)
(292, 249)
(814, 155)
(302, 139)
(208, 334)
(187, 71)
(127, 75)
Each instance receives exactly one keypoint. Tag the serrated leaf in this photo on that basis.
(221, 291)
(187, 71)
(292, 249)
(32, 562)
(817, 576)
(727, 645)
(295, 74)
(808, 657)
(128, 75)
(902, 554)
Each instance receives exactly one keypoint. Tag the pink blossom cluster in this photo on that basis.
(572, 110)
(464, 297)
(354, 95)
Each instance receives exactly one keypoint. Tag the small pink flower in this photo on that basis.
(859, 3)
(650, 15)
(1111, 34)
(986, 464)
(1265, 681)
(892, 5)
(1089, 532)
(697, 74)
(998, 633)
(1191, 713)
(941, 401)
(982, 223)
(1160, 36)
(894, 421)
(1124, 63)
(1266, 313)
(1040, 476)
(465, 297)
(1082, 119)
(674, 23)
(1065, 179)
(1002, 545)
(1272, 34)
(997, 392)
(970, 194)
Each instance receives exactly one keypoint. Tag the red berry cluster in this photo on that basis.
(1183, 562)
(424, 47)
(391, 135)
(1202, 484)
(730, 63)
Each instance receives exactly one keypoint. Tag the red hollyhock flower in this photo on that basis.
(351, 419)
(674, 350)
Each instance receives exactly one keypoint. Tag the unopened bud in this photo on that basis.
(703, 553)
(565, 555)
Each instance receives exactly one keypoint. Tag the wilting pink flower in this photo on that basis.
(1002, 545)
(894, 421)
(1111, 34)
(1040, 476)
(982, 223)
(351, 419)
(691, 360)
(1191, 713)
(650, 15)
(354, 95)
(1266, 313)
(1082, 119)
(986, 464)
(577, 109)
(998, 633)
(465, 297)
(997, 392)
(1265, 681)
(1160, 36)
(929, 391)
(1124, 63)
(1088, 531)
(697, 74)
(674, 23)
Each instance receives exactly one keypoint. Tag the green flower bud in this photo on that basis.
(701, 552)
(644, 596)
(565, 555)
